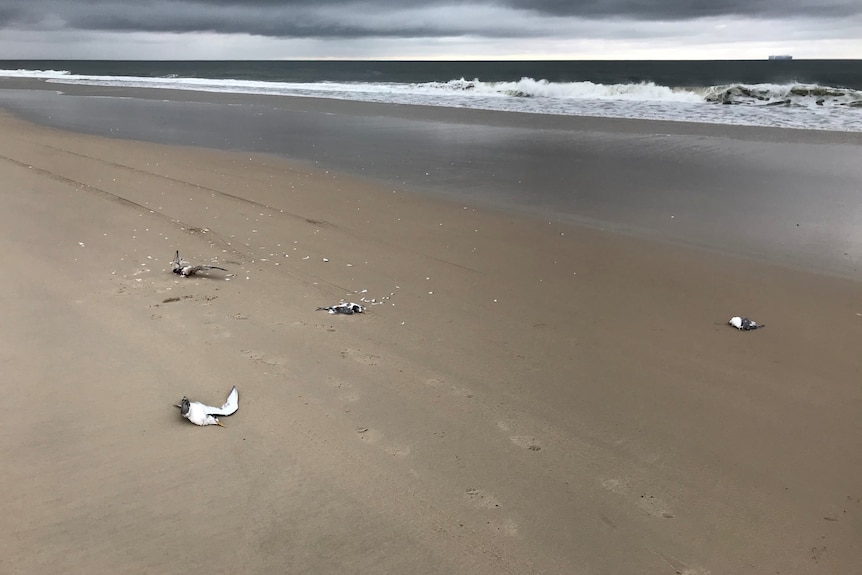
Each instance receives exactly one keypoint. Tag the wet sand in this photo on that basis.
(529, 396)
(777, 195)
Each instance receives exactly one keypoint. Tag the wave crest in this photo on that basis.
(792, 105)
(804, 95)
(792, 94)
(41, 74)
(531, 88)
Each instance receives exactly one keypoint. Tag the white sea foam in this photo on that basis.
(530, 88)
(792, 105)
(43, 74)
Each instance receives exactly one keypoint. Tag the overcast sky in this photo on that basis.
(429, 29)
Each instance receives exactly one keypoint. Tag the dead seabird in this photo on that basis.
(743, 323)
(182, 267)
(201, 414)
(347, 308)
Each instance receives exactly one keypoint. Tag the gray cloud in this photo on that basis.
(675, 10)
(416, 29)
(390, 18)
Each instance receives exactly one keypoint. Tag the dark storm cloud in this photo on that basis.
(385, 18)
(673, 10)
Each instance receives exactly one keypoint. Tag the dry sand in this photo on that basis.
(532, 398)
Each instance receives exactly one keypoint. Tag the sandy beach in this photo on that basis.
(779, 195)
(521, 395)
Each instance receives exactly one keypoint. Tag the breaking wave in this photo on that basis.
(828, 107)
(805, 95)
(755, 94)
(530, 88)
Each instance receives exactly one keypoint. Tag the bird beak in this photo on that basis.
(219, 423)
(177, 405)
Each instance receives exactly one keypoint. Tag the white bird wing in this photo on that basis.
(229, 408)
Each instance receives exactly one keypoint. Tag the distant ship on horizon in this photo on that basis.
(781, 57)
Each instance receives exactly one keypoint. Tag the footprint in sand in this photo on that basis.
(259, 357)
(680, 567)
(455, 390)
(397, 450)
(372, 436)
(647, 502)
(251, 354)
(481, 499)
(276, 362)
(318, 326)
(526, 442)
(218, 330)
(369, 435)
(459, 391)
(433, 382)
(344, 389)
(360, 357)
(507, 526)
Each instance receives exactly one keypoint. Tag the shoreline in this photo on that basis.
(445, 114)
(541, 397)
(765, 194)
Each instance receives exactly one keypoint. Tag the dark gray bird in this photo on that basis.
(201, 414)
(181, 267)
(744, 324)
(346, 308)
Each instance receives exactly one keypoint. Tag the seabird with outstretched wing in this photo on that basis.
(182, 267)
(201, 414)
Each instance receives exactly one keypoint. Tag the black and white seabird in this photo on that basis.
(201, 414)
(181, 267)
(744, 324)
(346, 308)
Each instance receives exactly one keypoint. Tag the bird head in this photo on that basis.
(184, 406)
(177, 263)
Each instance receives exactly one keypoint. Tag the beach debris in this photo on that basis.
(346, 308)
(201, 414)
(181, 267)
(744, 324)
(367, 301)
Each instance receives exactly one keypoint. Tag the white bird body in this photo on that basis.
(181, 267)
(743, 323)
(201, 414)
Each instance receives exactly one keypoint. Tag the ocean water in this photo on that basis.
(806, 94)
